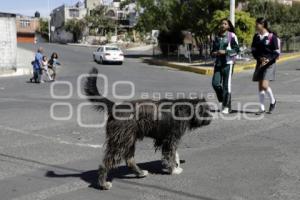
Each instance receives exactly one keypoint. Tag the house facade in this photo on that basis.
(126, 17)
(26, 28)
(59, 16)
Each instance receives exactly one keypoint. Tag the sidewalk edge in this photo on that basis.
(209, 70)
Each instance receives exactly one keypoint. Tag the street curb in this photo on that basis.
(241, 68)
(15, 72)
(82, 45)
(198, 70)
(210, 70)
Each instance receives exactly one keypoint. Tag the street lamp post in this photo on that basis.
(232, 11)
(49, 22)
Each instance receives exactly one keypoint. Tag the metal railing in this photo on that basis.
(293, 45)
(182, 53)
(192, 53)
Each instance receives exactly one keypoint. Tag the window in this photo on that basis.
(112, 49)
(74, 13)
(24, 23)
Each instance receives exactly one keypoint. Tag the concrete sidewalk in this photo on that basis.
(208, 69)
(24, 58)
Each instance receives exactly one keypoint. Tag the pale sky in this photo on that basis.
(28, 7)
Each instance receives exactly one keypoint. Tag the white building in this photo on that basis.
(126, 16)
(8, 41)
(92, 4)
(59, 16)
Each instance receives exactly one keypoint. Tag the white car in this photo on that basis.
(108, 54)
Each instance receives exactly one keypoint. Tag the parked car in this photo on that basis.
(105, 54)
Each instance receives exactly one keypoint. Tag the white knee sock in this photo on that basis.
(262, 100)
(271, 96)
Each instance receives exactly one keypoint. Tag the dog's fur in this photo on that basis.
(121, 135)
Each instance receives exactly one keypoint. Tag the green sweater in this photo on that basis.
(222, 43)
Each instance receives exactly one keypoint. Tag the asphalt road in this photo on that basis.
(238, 157)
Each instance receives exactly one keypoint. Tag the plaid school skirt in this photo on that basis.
(264, 73)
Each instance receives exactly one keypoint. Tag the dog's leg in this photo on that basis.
(177, 159)
(171, 155)
(178, 169)
(102, 176)
(132, 165)
(164, 160)
(139, 173)
(111, 159)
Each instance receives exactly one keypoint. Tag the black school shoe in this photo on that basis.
(272, 107)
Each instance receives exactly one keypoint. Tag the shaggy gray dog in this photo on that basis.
(165, 121)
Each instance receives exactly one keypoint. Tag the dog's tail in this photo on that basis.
(93, 94)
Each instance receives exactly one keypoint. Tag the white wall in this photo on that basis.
(82, 13)
(8, 42)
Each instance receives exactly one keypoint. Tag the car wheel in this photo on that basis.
(120, 63)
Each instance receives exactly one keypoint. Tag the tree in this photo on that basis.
(155, 15)
(99, 21)
(37, 14)
(125, 3)
(198, 16)
(76, 27)
(165, 16)
(43, 29)
(244, 27)
(284, 19)
(174, 16)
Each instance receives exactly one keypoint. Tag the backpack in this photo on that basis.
(270, 38)
(230, 37)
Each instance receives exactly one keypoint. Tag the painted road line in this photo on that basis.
(54, 191)
(56, 140)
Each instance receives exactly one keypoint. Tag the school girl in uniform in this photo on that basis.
(265, 49)
(225, 50)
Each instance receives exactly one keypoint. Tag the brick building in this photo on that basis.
(26, 29)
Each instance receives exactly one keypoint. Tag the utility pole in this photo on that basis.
(49, 22)
(232, 11)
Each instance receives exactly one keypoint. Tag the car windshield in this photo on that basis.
(112, 49)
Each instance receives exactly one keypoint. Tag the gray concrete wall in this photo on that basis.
(61, 36)
(58, 17)
(8, 43)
